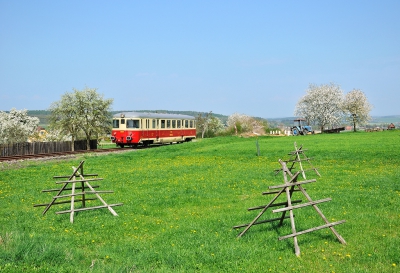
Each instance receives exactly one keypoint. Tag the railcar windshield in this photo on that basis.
(115, 123)
(132, 123)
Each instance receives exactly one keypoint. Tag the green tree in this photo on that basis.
(85, 112)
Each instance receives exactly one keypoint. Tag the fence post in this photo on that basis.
(258, 147)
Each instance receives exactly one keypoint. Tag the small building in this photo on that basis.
(391, 126)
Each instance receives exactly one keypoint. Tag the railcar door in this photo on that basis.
(145, 128)
(179, 126)
(161, 125)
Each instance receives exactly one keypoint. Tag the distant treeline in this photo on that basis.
(43, 115)
(189, 113)
(382, 121)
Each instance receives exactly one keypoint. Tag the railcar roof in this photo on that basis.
(152, 115)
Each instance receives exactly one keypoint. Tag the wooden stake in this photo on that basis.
(71, 217)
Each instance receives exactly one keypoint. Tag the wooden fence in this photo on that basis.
(28, 148)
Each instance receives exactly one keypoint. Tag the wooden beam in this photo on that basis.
(261, 222)
(67, 176)
(76, 181)
(298, 160)
(292, 184)
(82, 193)
(274, 205)
(312, 229)
(90, 208)
(68, 189)
(302, 205)
(274, 192)
(298, 151)
(63, 202)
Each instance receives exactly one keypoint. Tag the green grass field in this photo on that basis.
(181, 202)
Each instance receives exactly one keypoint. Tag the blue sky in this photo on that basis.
(251, 57)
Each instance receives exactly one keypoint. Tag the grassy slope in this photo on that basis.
(181, 201)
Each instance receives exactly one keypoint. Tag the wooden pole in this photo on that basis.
(298, 158)
(288, 194)
(71, 217)
(83, 189)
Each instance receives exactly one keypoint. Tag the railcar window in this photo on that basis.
(122, 121)
(115, 123)
(168, 123)
(174, 124)
(154, 123)
(191, 124)
(186, 124)
(132, 123)
(178, 125)
(163, 123)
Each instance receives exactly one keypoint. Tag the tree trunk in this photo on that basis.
(73, 143)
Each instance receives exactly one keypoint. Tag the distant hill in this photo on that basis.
(377, 121)
(386, 119)
(43, 115)
(381, 121)
(189, 113)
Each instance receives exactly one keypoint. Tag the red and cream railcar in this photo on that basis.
(136, 128)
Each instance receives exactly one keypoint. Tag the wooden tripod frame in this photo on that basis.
(291, 184)
(70, 185)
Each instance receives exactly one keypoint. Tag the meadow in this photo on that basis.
(181, 201)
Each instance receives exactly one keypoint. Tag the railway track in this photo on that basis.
(64, 154)
(59, 154)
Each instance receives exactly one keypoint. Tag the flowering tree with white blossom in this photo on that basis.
(322, 105)
(208, 124)
(81, 112)
(241, 123)
(356, 108)
(16, 126)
